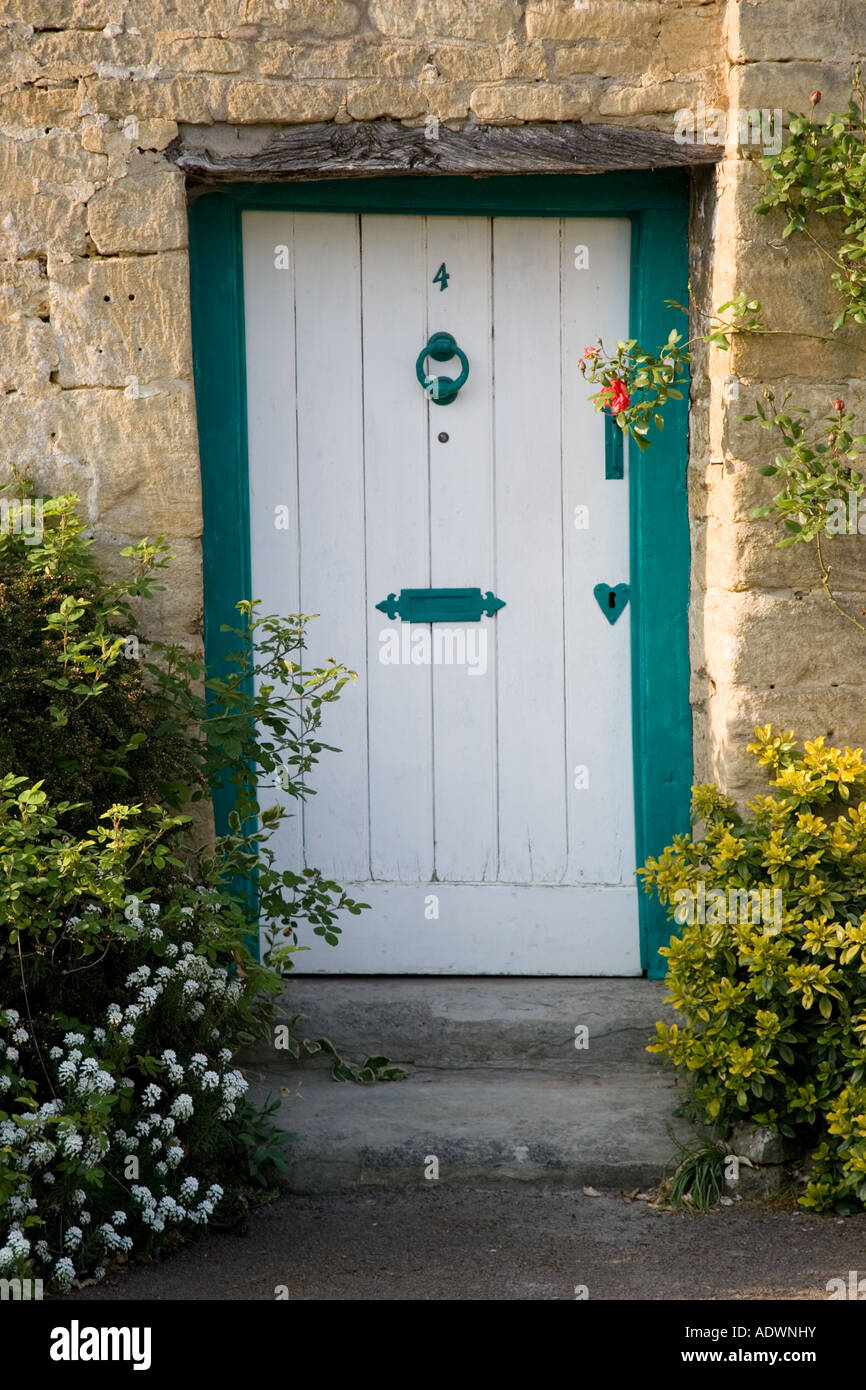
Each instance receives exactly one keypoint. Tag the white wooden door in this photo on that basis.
(482, 806)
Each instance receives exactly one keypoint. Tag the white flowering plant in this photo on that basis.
(127, 986)
(111, 1141)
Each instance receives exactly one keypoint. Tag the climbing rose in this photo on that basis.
(619, 399)
(839, 404)
(590, 352)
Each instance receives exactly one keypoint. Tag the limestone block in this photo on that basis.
(217, 17)
(735, 488)
(763, 640)
(205, 54)
(625, 100)
(23, 290)
(628, 60)
(66, 56)
(740, 185)
(748, 440)
(142, 214)
(522, 60)
(28, 355)
(28, 439)
(345, 58)
(690, 38)
(297, 17)
(787, 86)
(55, 159)
(34, 222)
(448, 100)
(39, 108)
(771, 359)
(365, 101)
(779, 30)
(176, 609)
(746, 556)
(196, 100)
(447, 19)
(154, 135)
(473, 62)
(532, 101)
(251, 101)
(142, 454)
(621, 20)
(834, 711)
(61, 14)
(123, 319)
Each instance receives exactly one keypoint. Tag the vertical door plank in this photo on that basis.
(526, 299)
(331, 502)
(595, 302)
(461, 539)
(397, 529)
(269, 313)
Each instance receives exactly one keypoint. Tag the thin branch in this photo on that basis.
(825, 580)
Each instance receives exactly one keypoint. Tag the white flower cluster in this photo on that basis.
(9, 1054)
(17, 1247)
(201, 984)
(112, 1239)
(142, 918)
(83, 1075)
(76, 1129)
(159, 1212)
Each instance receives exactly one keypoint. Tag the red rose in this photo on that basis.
(590, 352)
(619, 399)
(815, 98)
(839, 404)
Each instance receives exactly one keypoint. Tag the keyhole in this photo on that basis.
(611, 600)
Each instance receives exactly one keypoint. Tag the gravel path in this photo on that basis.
(437, 1243)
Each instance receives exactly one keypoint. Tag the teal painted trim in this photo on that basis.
(524, 195)
(657, 204)
(614, 464)
(660, 570)
(219, 362)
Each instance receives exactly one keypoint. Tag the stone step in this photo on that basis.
(484, 1126)
(457, 1022)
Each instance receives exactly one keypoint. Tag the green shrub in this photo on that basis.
(126, 982)
(769, 971)
(59, 650)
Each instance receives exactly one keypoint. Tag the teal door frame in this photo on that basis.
(657, 205)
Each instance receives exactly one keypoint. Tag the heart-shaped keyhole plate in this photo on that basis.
(611, 600)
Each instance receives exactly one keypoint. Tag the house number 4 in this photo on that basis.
(441, 277)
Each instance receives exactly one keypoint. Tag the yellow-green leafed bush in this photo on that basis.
(769, 968)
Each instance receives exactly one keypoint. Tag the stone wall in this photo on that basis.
(95, 358)
(766, 645)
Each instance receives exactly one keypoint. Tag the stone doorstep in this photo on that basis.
(482, 1126)
(454, 1022)
(496, 1091)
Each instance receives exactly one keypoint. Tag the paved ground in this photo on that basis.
(528, 1244)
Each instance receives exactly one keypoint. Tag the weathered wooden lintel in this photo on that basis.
(226, 153)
